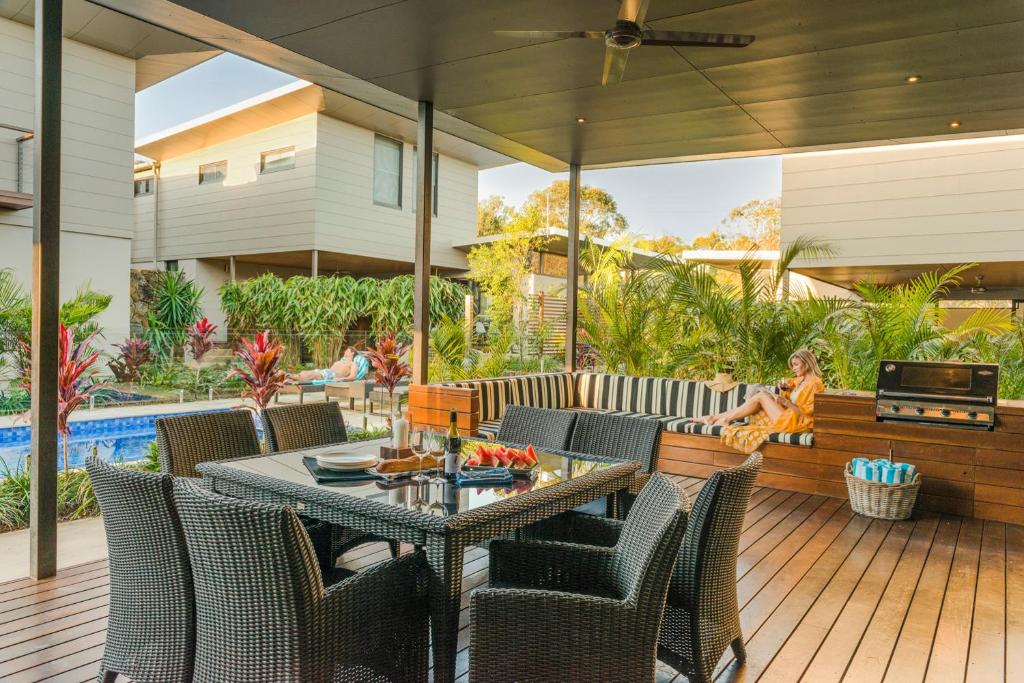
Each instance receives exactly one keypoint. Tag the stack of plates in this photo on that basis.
(346, 462)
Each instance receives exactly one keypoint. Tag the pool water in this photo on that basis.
(117, 439)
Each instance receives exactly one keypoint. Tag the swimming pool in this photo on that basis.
(115, 439)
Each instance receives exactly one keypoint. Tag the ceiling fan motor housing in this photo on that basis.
(625, 36)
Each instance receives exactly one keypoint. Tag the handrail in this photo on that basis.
(28, 134)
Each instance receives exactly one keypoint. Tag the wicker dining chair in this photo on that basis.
(702, 614)
(150, 627)
(621, 437)
(184, 441)
(290, 427)
(311, 425)
(541, 427)
(263, 614)
(579, 612)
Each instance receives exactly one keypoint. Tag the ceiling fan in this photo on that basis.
(628, 34)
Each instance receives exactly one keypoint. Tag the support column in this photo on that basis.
(231, 268)
(424, 201)
(314, 267)
(573, 269)
(45, 289)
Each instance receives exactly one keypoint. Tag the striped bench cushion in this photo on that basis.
(654, 395)
(549, 390)
(684, 425)
(797, 439)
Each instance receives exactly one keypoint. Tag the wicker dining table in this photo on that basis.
(443, 519)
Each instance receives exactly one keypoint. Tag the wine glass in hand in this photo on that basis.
(419, 443)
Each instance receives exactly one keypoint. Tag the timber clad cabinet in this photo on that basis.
(963, 472)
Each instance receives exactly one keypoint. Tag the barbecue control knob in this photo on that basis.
(944, 412)
(919, 410)
(895, 409)
(972, 415)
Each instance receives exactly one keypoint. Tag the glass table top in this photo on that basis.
(439, 498)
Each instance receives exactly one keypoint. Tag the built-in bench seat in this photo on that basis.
(676, 403)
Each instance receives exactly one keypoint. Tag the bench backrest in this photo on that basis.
(657, 395)
(548, 390)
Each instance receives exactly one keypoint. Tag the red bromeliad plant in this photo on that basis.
(74, 375)
(386, 358)
(199, 341)
(261, 358)
(132, 355)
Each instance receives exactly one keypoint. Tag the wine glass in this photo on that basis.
(437, 449)
(419, 442)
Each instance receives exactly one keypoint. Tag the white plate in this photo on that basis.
(346, 461)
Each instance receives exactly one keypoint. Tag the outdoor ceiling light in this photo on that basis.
(913, 78)
(954, 124)
(580, 119)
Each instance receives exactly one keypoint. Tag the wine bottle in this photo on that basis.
(453, 447)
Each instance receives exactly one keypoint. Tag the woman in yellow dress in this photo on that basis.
(791, 411)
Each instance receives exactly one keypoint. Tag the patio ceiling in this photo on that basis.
(159, 53)
(818, 75)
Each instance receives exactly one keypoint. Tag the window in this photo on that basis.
(415, 185)
(277, 160)
(213, 173)
(387, 172)
(143, 186)
(170, 266)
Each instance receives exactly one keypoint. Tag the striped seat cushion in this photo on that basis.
(678, 398)
(793, 439)
(489, 429)
(549, 390)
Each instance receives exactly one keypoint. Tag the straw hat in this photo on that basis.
(723, 381)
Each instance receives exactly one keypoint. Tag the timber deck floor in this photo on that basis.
(825, 596)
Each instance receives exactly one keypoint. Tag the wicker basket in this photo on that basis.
(880, 500)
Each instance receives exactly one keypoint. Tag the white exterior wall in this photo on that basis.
(349, 222)
(948, 202)
(98, 137)
(249, 213)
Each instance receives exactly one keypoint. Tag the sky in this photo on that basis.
(685, 200)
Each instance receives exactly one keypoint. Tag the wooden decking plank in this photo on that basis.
(987, 657)
(750, 582)
(56, 660)
(60, 581)
(764, 642)
(952, 639)
(54, 604)
(42, 598)
(877, 641)
(756, 512)
(753, 533)
(1014, 603)
(756, 551)
(15, 584)
(835, 652)
(909, 660)
(42, 617)
(51, 626)
(793, 657)
(25, 654)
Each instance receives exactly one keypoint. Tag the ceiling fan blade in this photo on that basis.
(550, 35)
(688, 38)
(614, 65)
(633, 10)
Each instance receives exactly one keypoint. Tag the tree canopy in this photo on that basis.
(599, 214)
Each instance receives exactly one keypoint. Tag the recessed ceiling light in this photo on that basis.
(954, 124)
(913, 78)
(580, 119)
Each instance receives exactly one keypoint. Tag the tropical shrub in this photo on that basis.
(322, 310)
(387, 359)
(260, 359)
(75, 497)
(132, 354)
(199, 338)
(74, 378)
(176, 304)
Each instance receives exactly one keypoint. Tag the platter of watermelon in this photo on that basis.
(520, 461)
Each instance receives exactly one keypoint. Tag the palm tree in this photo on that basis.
(747, 323)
